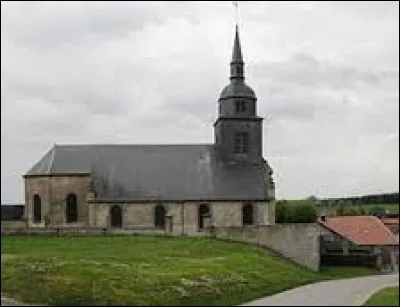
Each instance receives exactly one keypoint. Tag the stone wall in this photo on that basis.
(13, 225)
(183, 216)
(297, 242)
(53, 191)
(78, 231)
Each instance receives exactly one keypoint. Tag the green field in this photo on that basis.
(386, 297)
(146, 270)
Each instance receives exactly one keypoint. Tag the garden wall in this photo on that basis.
(297, 242)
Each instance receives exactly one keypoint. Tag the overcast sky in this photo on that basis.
(326, 76)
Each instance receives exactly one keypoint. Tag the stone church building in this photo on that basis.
(176, 188)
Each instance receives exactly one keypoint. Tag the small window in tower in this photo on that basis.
(240, 106)
(241, 142)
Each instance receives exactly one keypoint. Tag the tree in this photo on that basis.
(304, 213)
(312, 198)
(340, 209)
(362, 211)
(280, 211)
(351, 212)
(299, 213)
(378, 210)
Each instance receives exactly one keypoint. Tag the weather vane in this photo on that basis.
(235, 4)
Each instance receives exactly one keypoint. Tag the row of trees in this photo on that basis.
(385, 198)
(304, 211)
(353, 210)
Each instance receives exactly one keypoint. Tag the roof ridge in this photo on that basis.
(53, 153)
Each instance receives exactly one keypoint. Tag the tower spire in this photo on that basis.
(237, 50)
(237, 72)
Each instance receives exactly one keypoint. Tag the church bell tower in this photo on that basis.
(238, 129)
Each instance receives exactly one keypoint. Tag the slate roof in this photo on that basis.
(237, 88)
(237, 49)
(157, 172)
(361, 230)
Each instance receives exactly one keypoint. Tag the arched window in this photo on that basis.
(203, 211)
(159, 216)
(71, 211)
(37, 209)
(116, 216)
(247, 214)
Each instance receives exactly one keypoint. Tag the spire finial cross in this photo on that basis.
(236, 5)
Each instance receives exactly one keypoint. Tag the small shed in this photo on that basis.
(358, 240)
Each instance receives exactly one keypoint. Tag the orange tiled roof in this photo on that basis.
(361, 230)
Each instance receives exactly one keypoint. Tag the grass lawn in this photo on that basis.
(146, 270)
(386, 297)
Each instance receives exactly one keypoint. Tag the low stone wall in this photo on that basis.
(13, 225)
(74, 231)
(297, 242)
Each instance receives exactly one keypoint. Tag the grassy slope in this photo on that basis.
(386, 297)
(145, 270)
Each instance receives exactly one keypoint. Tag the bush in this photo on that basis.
(377, 210)
(340, 210)
(280, 210)
(299, 213)
(304, 214)
(351, 212)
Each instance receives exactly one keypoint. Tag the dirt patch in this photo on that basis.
(5, 257)
(5, 301)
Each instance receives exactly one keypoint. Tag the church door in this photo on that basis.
(116, 216)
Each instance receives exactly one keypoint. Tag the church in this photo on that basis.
(179, 189)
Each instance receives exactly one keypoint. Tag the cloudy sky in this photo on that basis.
(326, 76)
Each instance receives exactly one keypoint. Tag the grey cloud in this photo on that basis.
(369, 9)
(137, 72)
(61, 24)
(306, 70)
